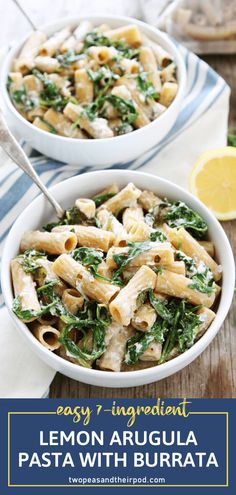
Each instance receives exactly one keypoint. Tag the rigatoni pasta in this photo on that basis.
(117, 80)
(100, 298)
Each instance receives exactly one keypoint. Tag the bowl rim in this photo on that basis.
(168, 367)
(178, 58)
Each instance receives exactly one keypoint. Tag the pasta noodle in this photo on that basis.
(72, 300)
(174, 284)
(144, 318)
(123, 307)
(114, 354)
(52, 242)
(77, 276)
(192, 248)
(24, 289)
(47, 335)
(89, 236)
(158, 253)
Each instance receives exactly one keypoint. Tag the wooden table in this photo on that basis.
(213, 374)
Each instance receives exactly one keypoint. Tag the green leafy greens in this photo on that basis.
(176, 326)
(138, 344)
(95, 38)
(99, 200)
(24, 100)
(122, 260)
(102, 79)
(157, 235)
(232, 137)
(68, 58)
(201, 276)
(146, 87)
(29, 258)
(92, 316)
(50, 96)
(72, 216)
(125, 108)
(178, 214)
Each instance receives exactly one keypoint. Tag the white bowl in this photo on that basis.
(39, 212)
(97, 152)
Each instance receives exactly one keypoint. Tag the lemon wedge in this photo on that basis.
(213, 181)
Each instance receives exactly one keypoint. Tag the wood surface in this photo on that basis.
(213, 374)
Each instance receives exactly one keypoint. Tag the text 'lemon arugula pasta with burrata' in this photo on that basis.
(125, 281)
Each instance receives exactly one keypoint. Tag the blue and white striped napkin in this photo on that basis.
(201, 125)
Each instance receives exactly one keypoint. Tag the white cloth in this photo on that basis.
(23, 375)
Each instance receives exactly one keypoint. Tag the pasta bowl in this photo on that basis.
(39, 212)
(105, 151)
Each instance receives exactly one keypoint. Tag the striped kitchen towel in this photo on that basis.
(201, 125)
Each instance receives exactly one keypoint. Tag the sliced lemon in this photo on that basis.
(213, 181)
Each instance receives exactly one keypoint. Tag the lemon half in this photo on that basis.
(213, 181)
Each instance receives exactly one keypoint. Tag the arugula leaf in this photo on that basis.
(146, 87)
(160, 307)
(50, 87)
(178, 214)
(129, 52)
(49, 226)
(92, 258)
(28, 314)
(9, 82)
(201, 275)
(232, 137)
(176, 326)
(142, 297)
(190, 263)
(138, 344)
(23, 314)
(23, 100)
(172, 335)
(92, 315)
(68, 58)
(29, 258)
(122, 260)
(125, 108)
(183, 327)
(50, 127)
(88, 256)
(50, 96)
(187, 333)
(203, 282)
(92, 109)
(58, 103)
(72, 216)
(157, 235)
(99, 200)
(95, 38)
(102, 79)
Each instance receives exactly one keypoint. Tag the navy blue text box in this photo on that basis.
(43, 452)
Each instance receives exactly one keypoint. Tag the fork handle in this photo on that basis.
(10, 145)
